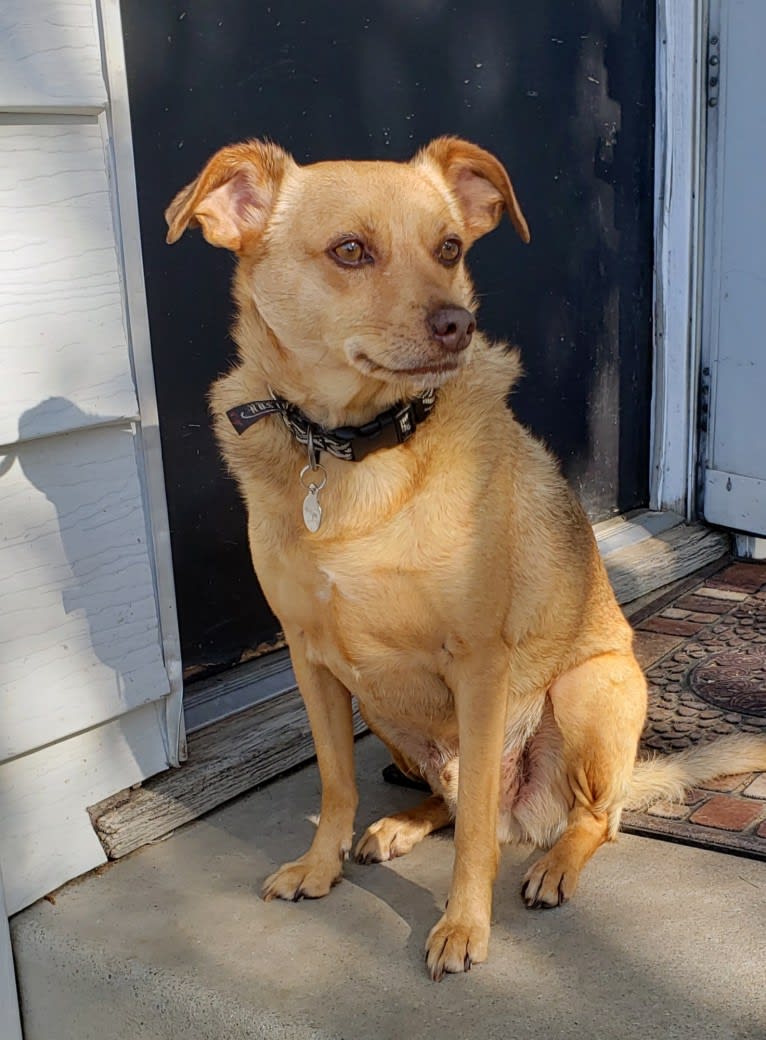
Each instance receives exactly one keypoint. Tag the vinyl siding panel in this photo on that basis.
(50, 56)
(63, 336)
(46, 836)
(78, 620)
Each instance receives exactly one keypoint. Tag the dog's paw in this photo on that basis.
(386, 839)
(453, 946)
(548, 883)
(306, 878)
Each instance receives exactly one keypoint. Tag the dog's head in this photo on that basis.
(356, 268)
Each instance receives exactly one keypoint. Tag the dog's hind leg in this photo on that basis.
(599, 708)
(398, 834)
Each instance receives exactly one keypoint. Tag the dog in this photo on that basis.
(421, 548)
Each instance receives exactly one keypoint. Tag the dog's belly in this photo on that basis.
(412, 711)
(534, 793)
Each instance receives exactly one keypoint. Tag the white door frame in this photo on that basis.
(125, 201)
(680, 105)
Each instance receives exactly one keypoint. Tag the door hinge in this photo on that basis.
(713, 70)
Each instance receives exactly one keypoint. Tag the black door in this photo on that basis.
(561, 90)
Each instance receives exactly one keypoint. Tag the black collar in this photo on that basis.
(353, 443)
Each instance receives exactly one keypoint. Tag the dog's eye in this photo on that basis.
(449, 251)
(350, 252)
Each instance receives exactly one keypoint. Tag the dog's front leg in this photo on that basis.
(480, 688)
(328, 704)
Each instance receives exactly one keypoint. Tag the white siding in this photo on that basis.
(65, 355)
(89, 672)
(49, 56)
(78, 619)
(46, 836)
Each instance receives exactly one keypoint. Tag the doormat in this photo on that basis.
(704, 651)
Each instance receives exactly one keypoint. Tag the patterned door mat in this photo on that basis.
(704, 650)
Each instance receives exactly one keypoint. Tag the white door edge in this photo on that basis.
(678, 235)
(733, 442)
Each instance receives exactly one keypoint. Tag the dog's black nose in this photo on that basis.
(452, 327)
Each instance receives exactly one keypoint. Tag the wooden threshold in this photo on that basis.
(225, 760)
(643, 554)
(649, 550)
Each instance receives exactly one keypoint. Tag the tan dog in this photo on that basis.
(450, 581)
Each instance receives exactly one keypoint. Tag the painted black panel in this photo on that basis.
(561, 90)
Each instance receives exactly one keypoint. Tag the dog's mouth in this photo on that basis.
(438, 367)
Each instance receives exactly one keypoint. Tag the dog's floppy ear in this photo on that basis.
(233, 197)
(479, 182)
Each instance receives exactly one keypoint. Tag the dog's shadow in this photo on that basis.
(419, 904)
(414, 888)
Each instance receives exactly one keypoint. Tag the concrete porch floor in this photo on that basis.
(661, 940)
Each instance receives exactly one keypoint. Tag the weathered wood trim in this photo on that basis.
(648, 565)
(620, 531)
(225, 760)
(639, 609)
(679, 180)
(238, 753)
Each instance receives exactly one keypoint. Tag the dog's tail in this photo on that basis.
(669, 776)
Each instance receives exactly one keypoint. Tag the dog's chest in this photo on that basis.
(371, 608)
(374, 617)
(373, 629)
(396, 580)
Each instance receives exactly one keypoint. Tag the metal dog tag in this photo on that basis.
(312, 511)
